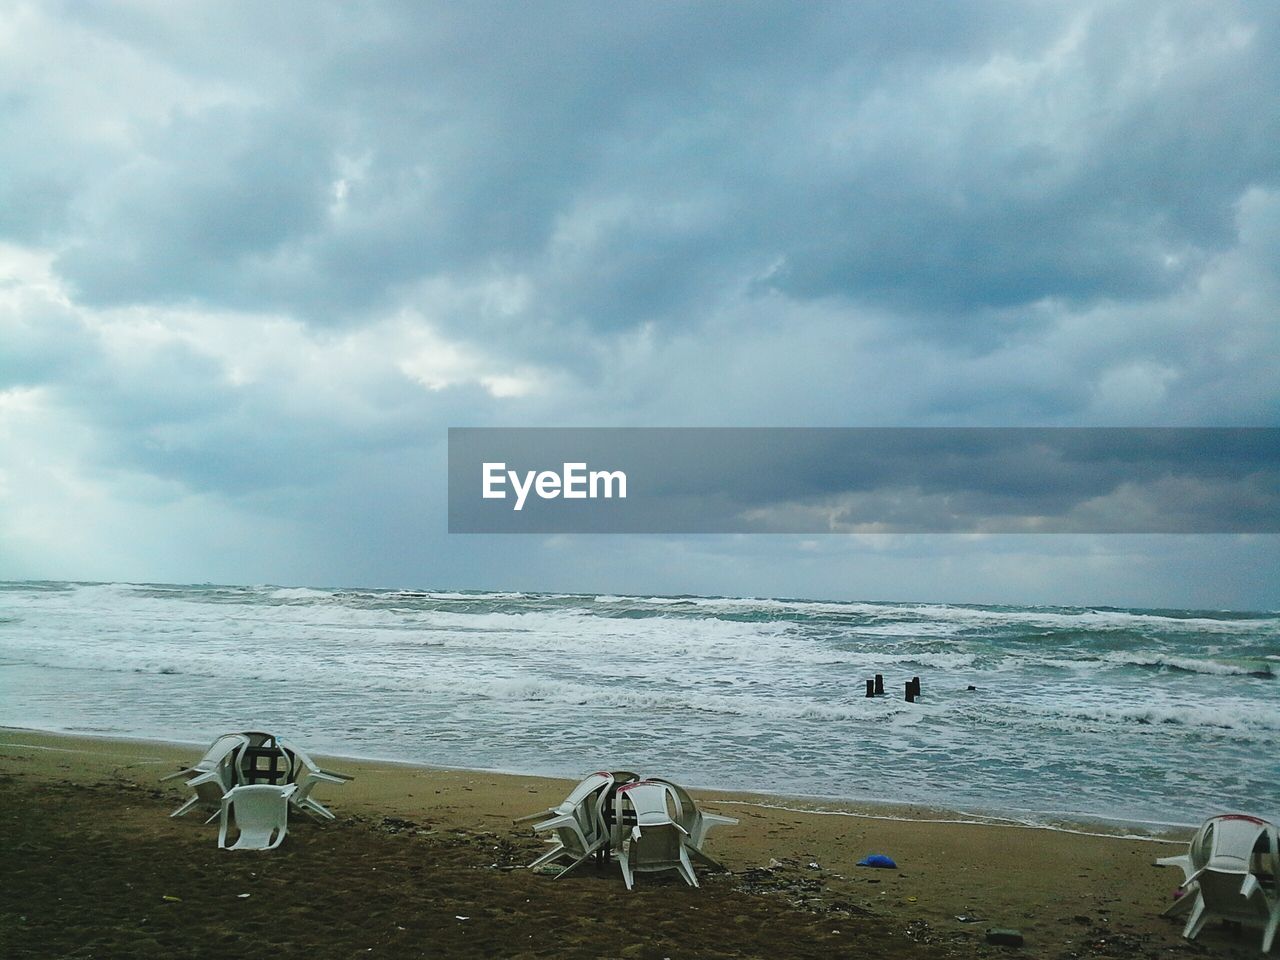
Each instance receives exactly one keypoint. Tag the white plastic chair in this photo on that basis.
(308, 774)
(261, 814)
(213, 775)
(577, 824)
(696, 823)
(1190, 863)
(1234, 853)
(656, 840)
(587, 786)
(221, 753)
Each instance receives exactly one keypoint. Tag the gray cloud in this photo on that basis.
(248, 252)
(635, 163)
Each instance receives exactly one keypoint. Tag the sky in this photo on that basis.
(255, 260)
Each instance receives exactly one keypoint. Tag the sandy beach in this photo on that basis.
(90, 856)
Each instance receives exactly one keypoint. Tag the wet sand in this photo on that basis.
(88, 855)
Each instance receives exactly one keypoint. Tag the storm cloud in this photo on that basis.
(255, 260)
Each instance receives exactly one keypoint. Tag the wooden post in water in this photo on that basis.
(911, 692)
(871, 688)
(880, 683)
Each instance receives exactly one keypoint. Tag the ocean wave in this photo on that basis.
(962, 616)
(1215, 668)
(458, 595)
(654, 601)
(300, 593)
(1241, 720)
(1248, 719)
(35, 586)
(875, 659)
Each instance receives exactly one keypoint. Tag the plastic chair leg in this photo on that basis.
(1195, 923)
(547, 857)
(1269, 932)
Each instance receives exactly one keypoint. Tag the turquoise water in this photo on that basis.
(1139, 715)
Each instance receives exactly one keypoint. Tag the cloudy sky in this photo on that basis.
(256, 259)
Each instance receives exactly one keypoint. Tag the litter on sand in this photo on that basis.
(878, 860)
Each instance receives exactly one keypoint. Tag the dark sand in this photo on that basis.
(88, 856)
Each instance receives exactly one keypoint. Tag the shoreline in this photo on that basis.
(956, 876)
(810, 804)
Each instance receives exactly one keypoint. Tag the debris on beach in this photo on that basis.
(878, 860)
(1005, 937)
(397, 825)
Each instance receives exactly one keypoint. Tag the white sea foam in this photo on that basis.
(300, 593)
(1187, 664)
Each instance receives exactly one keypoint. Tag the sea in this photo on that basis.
(1143, 717)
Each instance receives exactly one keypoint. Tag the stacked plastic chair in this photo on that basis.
(577, 824)
(649, 825)
(1231, 871)
(656, 840)
(213, 774)
(253, 779)
(308, 774)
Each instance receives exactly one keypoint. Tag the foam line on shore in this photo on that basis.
(96, 753)
(990, 822)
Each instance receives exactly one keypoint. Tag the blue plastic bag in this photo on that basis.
(878, 860)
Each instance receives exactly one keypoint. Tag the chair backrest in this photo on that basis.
(266, 764)
(652, 801)
(221, 758)
(584, 790)
(1230, 841)
(647, 805)
(584, 804)
(261, 813)
(222, 748)
(687, 813)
